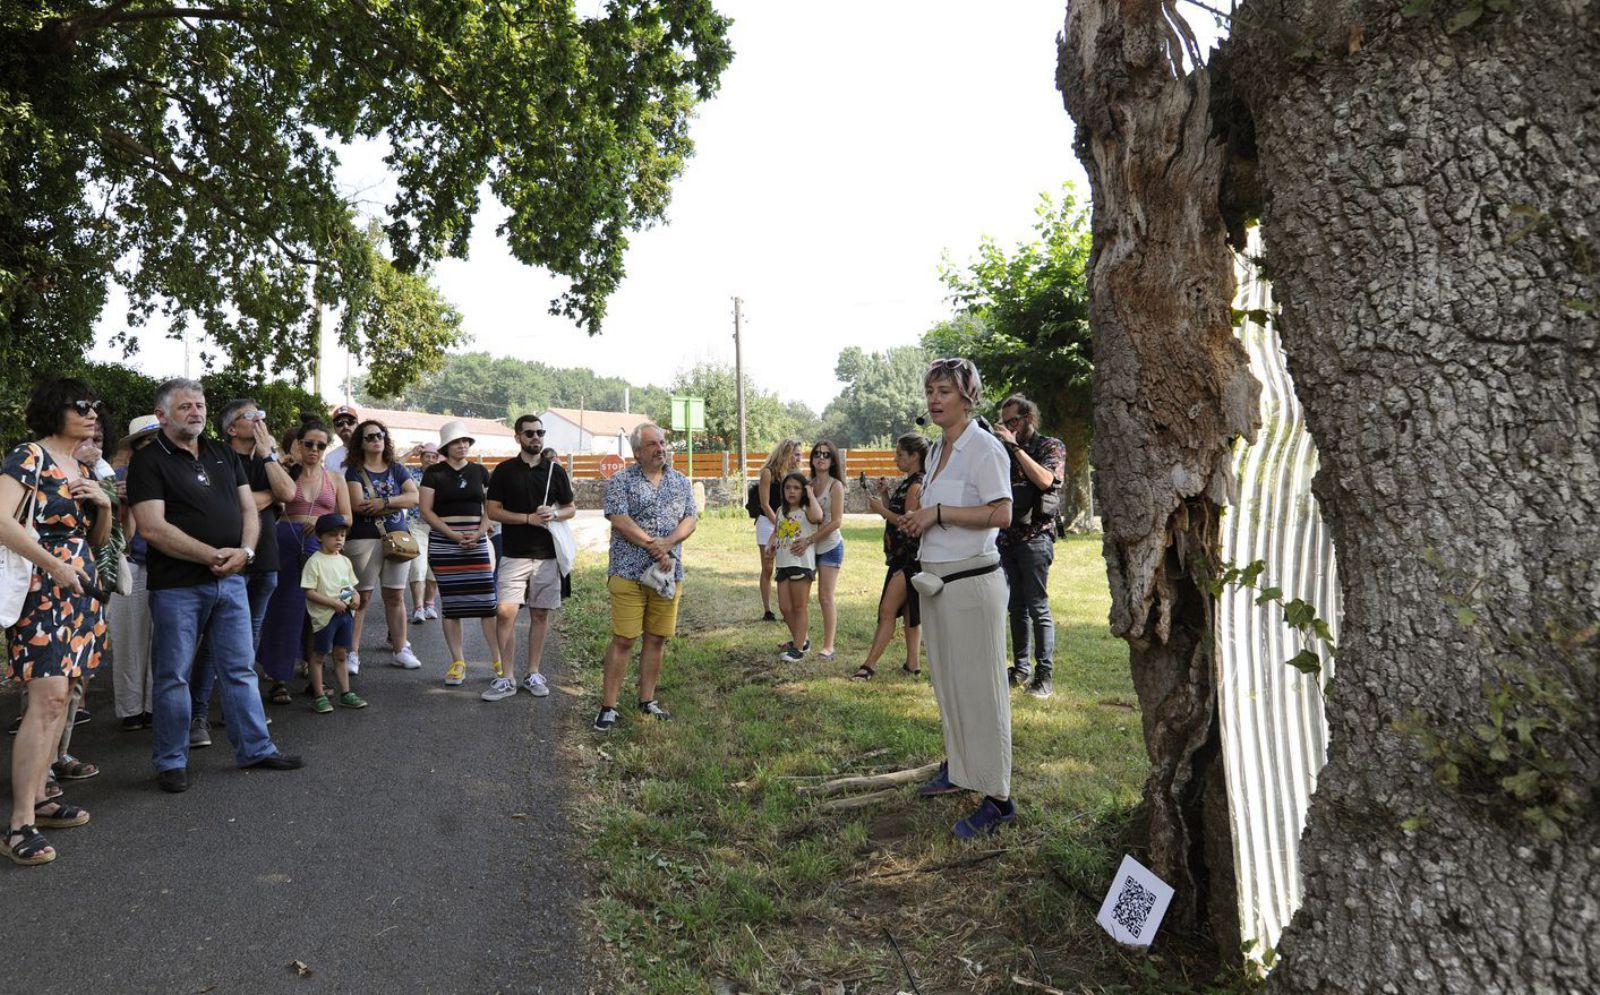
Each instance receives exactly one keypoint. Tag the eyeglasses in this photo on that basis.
(83, 408)
(533, 433)
(315, 447)
(1012, 422)
(372, 437)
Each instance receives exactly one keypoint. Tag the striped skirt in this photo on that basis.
(465, 575)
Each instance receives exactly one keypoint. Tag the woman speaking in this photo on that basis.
(966, 498)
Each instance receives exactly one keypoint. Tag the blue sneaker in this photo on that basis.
(984, 820)
(939, 784)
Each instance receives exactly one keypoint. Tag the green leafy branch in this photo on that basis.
(1298, 614)
(1522, 755)
(1464, 15)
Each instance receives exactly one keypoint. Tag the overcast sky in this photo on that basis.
(851, 145)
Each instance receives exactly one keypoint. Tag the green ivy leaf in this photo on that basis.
(1269, 594)
(1306, 661)
(1320, 627)
(1297, 614)
(1248, 575)
(1464, 18)
(1524, 784)
(1466, 617)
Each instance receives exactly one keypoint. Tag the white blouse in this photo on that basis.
(979, 472)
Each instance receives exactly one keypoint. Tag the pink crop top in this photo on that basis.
(325, 503)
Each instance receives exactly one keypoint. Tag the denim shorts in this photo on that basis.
(833, 557)
(338, 632)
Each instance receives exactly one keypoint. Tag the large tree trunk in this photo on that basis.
(1446, 363)
(1172, 390)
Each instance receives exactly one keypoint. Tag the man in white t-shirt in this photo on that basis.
(345, 420)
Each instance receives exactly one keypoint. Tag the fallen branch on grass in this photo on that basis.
(858, 801)
(890, 780)
(1021, 982)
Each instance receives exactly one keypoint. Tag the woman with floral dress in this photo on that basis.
(58, 635)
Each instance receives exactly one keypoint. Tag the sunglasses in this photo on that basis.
(314, 446)
(952, 363)
(84, 408)
(533, 433)
(372, 437)
(824, 454)
(342, 422)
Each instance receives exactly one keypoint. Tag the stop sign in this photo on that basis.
(610, 464)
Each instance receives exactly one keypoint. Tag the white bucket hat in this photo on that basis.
(143, 425)
(454, 431)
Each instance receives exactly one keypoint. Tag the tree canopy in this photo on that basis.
(481, 385)
(189, 154)
(767, 419)
(882, 396)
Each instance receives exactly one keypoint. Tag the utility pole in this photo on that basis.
(738, 380)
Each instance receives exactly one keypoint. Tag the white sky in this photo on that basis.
(851, 144)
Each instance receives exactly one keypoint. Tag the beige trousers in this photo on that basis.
(963, 627)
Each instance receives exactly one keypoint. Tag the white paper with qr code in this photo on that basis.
(1135, 904)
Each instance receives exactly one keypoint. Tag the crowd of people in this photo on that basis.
(193, 564)
(197, 563)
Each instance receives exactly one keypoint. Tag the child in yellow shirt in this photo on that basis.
(329, 580)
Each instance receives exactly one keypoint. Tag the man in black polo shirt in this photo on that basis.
(192, 501)
(244, 425)
(525, 494)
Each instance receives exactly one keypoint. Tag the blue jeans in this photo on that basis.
(1027, 569)
(204, 679)
(216, 616)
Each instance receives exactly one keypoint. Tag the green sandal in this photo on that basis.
(352, 700)
(322, 706)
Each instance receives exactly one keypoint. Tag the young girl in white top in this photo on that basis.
(796, 560)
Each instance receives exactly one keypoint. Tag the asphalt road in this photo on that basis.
(421, 849)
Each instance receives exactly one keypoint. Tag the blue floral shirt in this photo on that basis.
(657, 510)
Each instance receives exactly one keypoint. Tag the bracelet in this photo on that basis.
(527, 518)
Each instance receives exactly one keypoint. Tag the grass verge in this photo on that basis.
(714, 874)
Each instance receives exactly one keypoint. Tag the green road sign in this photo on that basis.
(688, 414)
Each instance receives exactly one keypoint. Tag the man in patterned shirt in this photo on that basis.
(1027, 548)
(651, 510)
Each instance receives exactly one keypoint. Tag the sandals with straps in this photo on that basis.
(863, 673)
(70, 768)
(64, 817)
(32, 849)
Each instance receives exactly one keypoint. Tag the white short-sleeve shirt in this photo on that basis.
(979, 472)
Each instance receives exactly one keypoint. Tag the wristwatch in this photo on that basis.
(271, 457)
(249, 557)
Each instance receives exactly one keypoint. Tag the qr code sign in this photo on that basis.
(1133, 907)
(1135, 904)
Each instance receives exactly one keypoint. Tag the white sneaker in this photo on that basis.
(419, 616)
(352, 662)
(403, 657)
(534, 684)
(431, 610)
(501, 688)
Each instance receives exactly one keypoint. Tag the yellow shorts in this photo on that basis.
(636, 609)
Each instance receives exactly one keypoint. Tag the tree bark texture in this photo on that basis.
(1172, 390)
(1431, 223)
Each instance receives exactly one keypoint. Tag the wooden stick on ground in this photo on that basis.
(1021, 982)
(890, 780)
(858, 801)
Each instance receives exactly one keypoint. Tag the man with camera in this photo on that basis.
(1027, 548)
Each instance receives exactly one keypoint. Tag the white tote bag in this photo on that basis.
(561, 534)
(16, 570)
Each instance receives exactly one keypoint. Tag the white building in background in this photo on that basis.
(490, 439)
(570, 430)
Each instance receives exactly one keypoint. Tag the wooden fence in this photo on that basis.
(875, 462)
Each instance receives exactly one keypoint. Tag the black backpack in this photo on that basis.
(752, 500)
